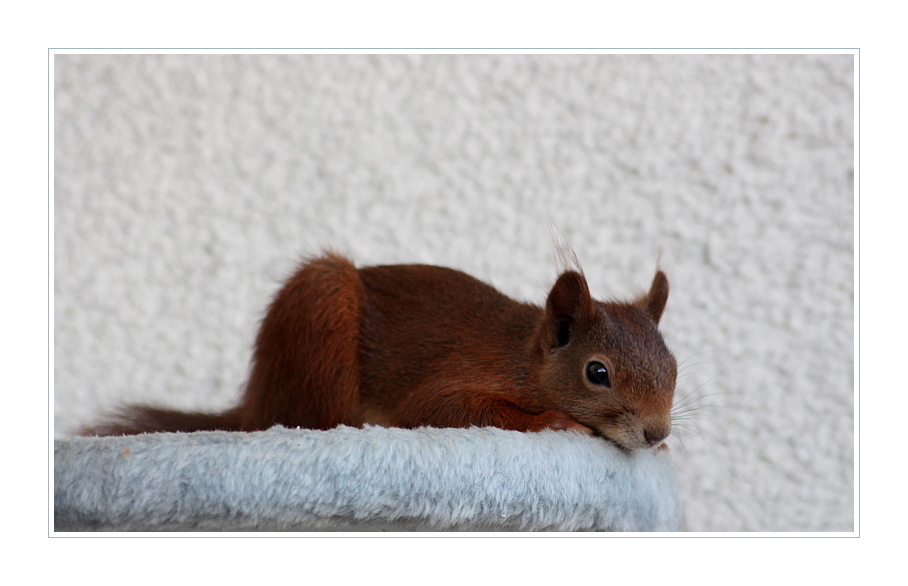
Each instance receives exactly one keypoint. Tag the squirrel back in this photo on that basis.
(418, 345)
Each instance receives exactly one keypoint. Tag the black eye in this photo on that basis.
(597, 373)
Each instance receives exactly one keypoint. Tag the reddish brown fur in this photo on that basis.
(306, 368)
(416, 345)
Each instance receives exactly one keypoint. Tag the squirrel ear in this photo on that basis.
(569, 301)
(653, 303)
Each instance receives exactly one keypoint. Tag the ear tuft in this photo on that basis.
(568, 303)
(653, 303)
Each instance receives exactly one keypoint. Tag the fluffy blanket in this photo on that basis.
(371, 479)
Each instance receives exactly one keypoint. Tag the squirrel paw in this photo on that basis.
(558, 421)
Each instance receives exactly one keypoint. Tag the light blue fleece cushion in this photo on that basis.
(371, 479)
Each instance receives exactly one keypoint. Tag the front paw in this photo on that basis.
(558, 421)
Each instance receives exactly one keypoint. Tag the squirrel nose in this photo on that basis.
(653, 436)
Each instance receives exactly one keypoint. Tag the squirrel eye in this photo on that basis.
(597, 373)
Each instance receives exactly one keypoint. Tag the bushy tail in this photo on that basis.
(306, 366)
(138, 419)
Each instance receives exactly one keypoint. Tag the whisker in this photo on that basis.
(692, 356)
(687, 415)
(691, 413)
(689, 366)
(687, 408)
(714, 377)
(687, 374)
(694, 401)
(683, 428)
(680, 439)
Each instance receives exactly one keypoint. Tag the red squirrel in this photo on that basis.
(417, 345)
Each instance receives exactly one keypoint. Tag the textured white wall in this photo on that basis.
(187, 188)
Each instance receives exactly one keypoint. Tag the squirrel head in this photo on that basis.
(607, 363)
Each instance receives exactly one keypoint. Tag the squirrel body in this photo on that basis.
(418, 345)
